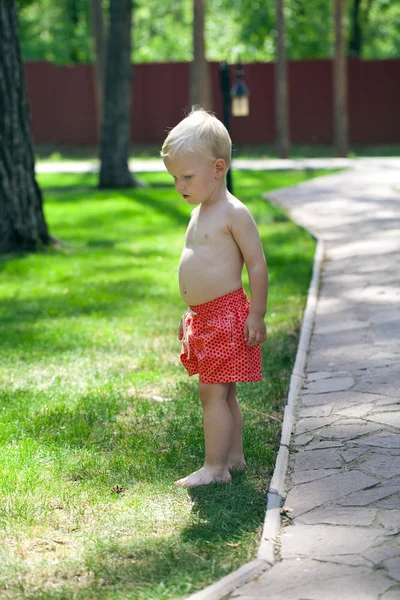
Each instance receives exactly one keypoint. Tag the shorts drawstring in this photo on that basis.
(186, 330)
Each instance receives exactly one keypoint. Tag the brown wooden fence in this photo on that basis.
(63, 103)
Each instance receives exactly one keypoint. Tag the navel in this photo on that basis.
(206, 236)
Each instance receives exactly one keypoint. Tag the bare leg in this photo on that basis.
(218, 427)
(235, 456)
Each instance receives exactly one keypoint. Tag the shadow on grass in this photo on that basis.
(134, 441)
(175, 209)
(97, 300)
(223, 516)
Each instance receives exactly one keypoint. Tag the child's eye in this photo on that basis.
(188, 176)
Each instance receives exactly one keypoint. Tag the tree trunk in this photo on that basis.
(355, 42)
(200, 86)
(99, 53)
(73, 18)
(114, 147)
(281, 85)
(340, 81)
(22, 223)
(359, 21)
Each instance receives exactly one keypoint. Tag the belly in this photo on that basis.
(203, 278)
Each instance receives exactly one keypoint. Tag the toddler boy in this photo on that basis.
(221, 331)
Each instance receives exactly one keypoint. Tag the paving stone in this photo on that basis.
(354, 411)
(388, 451)
(316, 411)
(367, 496)
(392, 594)
(322, 444)
(346, 398)
(312, 475)
(387, 407)
(386, 316)
(380, 553)
(380, 465)
(383, 357)
(346, 559)
(343, 430)
(315, 363)
(339, 516)
(383, 440)
(353, 453)
(380, 387)
(389, 502)
(317, 376)
(329, 385)
(339, 343)
(306, 496)
(302, 440)
(326, 540)
(390, 418)
(328, 327)
(317, 459)
(311, 423)
(383, 400)
(393, 566)
(357, 366)
(389, 518)
(389, 370)
(387, 333)
(343, 358)
(314, 580)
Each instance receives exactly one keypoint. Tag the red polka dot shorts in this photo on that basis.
(214, 344)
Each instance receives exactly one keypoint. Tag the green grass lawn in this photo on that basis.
(98, 418)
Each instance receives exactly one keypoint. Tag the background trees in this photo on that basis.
(340, 81)
(22, 224)
(200, 85)
(115, 133)
(99, 55)
(281, 84)
(58, 31)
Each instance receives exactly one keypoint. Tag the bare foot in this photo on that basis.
(237, 464)
(203, 476)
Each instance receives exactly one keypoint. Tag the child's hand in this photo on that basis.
(180, 331)
(255, 331)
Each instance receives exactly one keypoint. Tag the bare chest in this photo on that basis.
(207, 233)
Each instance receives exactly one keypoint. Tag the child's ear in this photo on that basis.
(220, 168)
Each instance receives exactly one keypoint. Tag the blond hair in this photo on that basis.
(200, 132)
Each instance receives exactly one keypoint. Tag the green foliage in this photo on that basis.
(382, 30)
(162, 29)
(59, 30)
(309, 28)
(55, 30)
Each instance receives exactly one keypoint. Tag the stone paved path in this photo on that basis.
(344, 477)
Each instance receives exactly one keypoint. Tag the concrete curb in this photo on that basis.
(269, 539)
(231, 582)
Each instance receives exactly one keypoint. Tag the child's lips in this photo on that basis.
(186, 196)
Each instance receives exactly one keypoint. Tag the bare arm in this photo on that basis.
(245, 233)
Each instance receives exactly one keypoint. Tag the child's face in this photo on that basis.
(196, 178)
